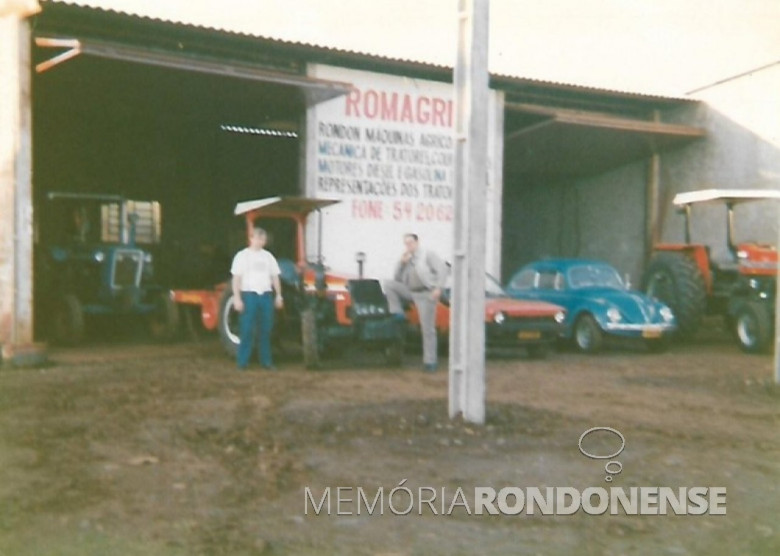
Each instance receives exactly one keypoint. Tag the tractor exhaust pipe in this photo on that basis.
(360, 258)
(730, 230)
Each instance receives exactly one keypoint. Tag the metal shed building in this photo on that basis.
(119, 103)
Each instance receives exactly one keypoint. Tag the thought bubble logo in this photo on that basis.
(612, 467)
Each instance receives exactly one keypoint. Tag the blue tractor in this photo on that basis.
(93, 261)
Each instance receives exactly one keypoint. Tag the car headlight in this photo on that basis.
(559, 317)
(613, 314)
(99, 256)
(666, 314)
(499, 318)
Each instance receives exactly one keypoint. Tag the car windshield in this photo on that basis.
(594, 276)
(493, 287)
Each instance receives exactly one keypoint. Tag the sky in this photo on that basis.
(650, 46)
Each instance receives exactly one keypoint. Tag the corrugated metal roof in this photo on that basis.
(500, 77)
(496, 78)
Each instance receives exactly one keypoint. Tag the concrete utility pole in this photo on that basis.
(16, 324)
(467, 325)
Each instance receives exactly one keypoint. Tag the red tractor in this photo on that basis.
(324, 311)
(742, 288)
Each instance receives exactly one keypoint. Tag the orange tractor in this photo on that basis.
(741, 288)
(322, 310)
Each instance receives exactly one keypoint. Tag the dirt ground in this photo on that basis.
(133, 448)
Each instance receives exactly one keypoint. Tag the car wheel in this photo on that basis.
(588, 336)
(753, 328)
(228, 323)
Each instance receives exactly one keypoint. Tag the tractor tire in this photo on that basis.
(753, 327)
(310, 341)
(228, 323)
(164, 321)
(67, 326)
(588, 336)
(674, 279)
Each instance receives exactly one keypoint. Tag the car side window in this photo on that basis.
(523, 281)
(547, 280)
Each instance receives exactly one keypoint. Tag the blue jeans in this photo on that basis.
(258, 313)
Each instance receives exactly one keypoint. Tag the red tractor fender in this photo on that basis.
(698, 253)
(757, 260)
(335, 290)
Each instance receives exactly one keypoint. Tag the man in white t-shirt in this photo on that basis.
(255, 279)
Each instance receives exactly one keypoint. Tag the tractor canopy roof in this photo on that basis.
(732, 196)
(98, 197)
(283, 206)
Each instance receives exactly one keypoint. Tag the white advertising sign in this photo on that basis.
(387, 151)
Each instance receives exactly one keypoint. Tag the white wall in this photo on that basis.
(742, 150)
(386, 151)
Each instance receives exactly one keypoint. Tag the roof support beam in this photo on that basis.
(528, 129)
(562, 143)
(315, 90)
(73, 50)
(596, 119)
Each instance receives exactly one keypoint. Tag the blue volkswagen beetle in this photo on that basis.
(597, 302)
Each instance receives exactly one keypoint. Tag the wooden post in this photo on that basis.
(651, 199)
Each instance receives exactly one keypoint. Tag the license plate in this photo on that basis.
(529, 335)
(651, 333)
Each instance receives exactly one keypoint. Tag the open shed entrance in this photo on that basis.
(195, 134)
(196, 143)
(577, 177)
